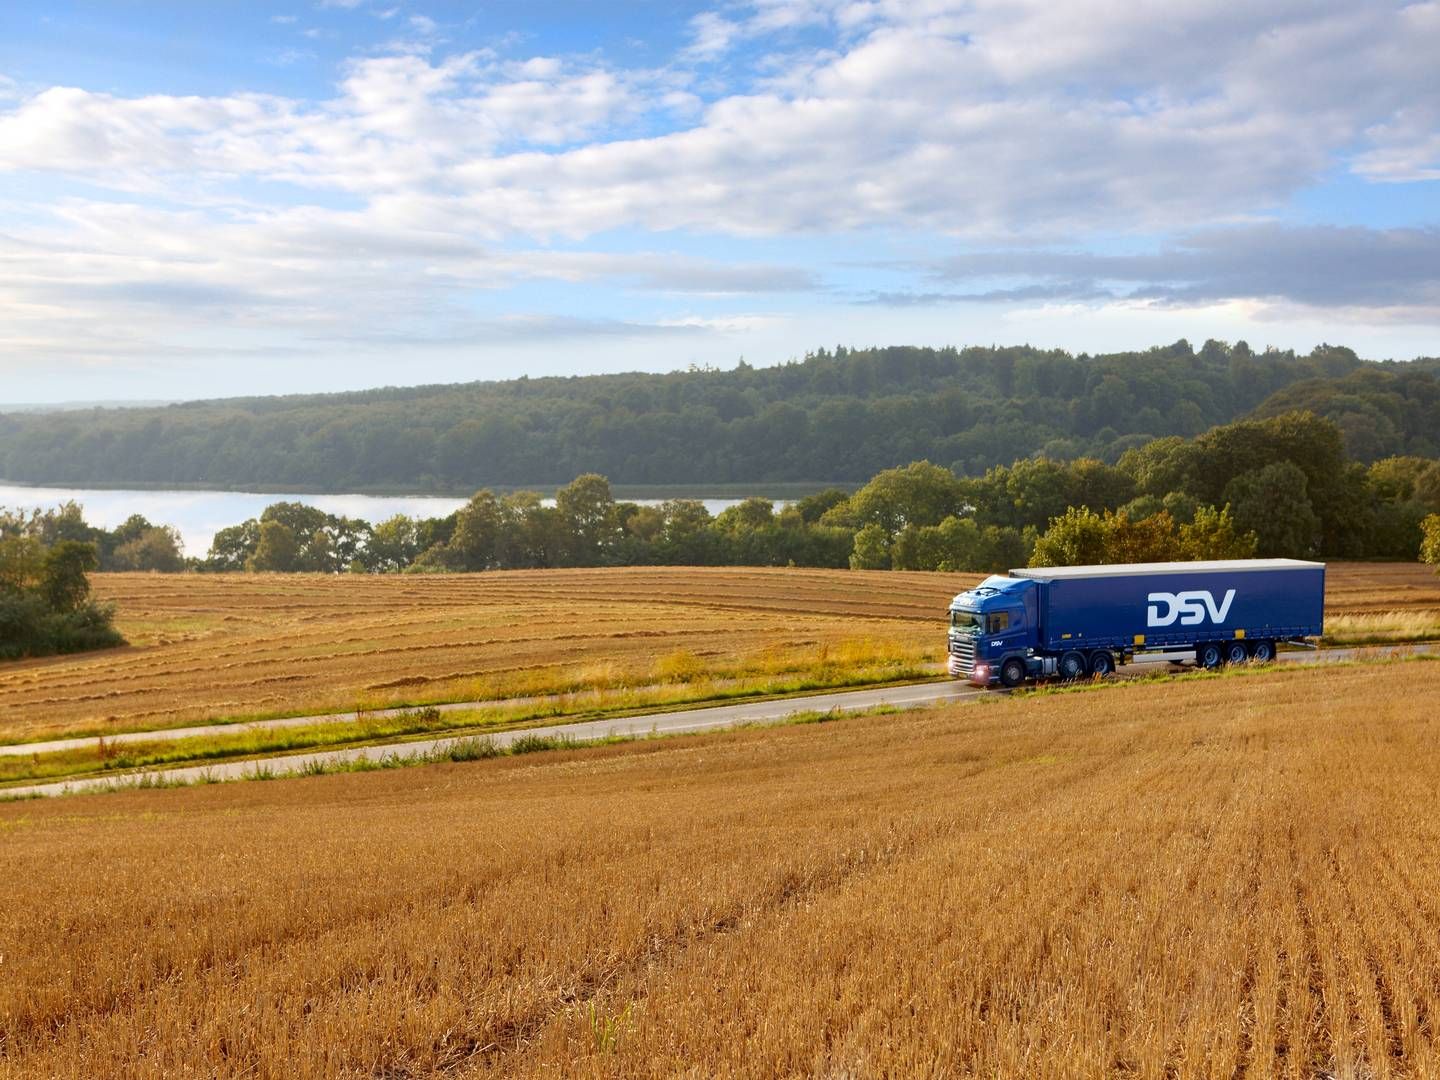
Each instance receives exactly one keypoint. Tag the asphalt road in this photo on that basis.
(667, 723)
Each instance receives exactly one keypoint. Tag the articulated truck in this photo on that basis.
(1071, 622)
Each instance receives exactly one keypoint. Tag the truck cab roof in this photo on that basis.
(997, 588)
(1210, 566)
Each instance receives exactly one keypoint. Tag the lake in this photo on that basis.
(199, 515)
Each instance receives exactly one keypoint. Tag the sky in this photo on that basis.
(200, 200)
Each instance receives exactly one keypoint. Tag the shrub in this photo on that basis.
(1430, 546)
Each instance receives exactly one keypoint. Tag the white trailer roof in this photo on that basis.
(1214, 566)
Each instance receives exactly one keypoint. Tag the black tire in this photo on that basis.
(1102, 664)
(1072, 666)
(1012, 672)
(1236, 653)
(1208, 655)
(1262, 652)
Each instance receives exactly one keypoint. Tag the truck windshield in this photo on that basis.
(969, 622)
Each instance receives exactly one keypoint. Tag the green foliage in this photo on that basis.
(1078, 537)
(958, 544)
(45, 604)
(1279, 486)
(1430, 544)
(1081, 537)
(62, 582)
(1030, 493)
(1380, 410)
(871, 550)
(917, 494)
(1273, 503)
(1213, 534)
(839, 416)
(278, 549)
(139, 545)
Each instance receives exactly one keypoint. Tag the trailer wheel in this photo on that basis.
(1072, 665)
(1262, 652)
(1012, 672)
(1209, 655)
(1102, 664)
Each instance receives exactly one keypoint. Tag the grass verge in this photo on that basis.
(469, 748)
(695, 691)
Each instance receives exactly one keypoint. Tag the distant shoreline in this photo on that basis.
(773, 490)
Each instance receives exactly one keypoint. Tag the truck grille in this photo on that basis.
(962, 656)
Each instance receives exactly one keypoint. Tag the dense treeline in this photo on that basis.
(1281, 486)
(838, 416)
(45, 602)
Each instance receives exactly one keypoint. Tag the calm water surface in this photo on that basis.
(199, 515)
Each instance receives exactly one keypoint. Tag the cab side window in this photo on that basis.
(999, 621)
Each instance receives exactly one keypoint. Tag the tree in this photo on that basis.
(233, 547)
(156, 547)
(394, 544)
(1213, 535)
(1151, 540)
(475, 543)
(63, 578)
(918, 494)
(746, 516)
(22, 561)
(1273, 503)
(278, 549)
(1430, 545)
(872, 548)
(813, 507)
(587, 515)
(1078, 537)
(45, 604)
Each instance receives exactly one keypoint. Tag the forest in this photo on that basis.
(833, 417)
(1279, 486)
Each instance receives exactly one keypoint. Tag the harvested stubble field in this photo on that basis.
(238, 646)
(1224, 876)
(207, 647)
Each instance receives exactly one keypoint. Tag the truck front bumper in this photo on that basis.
(980, 675)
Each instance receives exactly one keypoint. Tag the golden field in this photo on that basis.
(209, 647)
(212, 647)
(1220, 876)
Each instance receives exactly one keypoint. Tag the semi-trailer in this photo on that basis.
(1075, 621)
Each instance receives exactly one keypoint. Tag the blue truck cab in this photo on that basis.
(1074, 621)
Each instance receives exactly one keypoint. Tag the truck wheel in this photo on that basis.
(1012, 672)
(1209, 655)
(1262, 652)
(1071, 666)
(1236, 653)
(1102, 664)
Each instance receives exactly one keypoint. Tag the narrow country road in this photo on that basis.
(660, 723)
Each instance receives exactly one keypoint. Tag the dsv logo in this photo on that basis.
(1189, 607)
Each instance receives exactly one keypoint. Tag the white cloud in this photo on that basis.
(1004, 118)
(711, 35)
(1003, 121)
